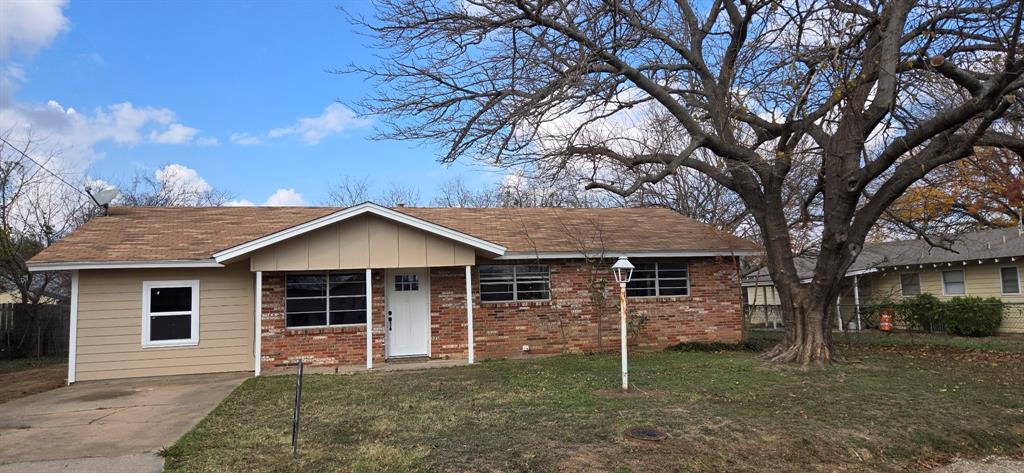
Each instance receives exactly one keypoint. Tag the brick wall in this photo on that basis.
(331, 346)
(574, 320)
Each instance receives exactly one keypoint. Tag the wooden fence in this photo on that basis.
(34, 330)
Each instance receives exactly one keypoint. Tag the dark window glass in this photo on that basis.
(910, 284)
(306, 320)
(304, 285)
(170, 299)
(1011, 280)
(348, 317)
(659, 278)
(509, 282)
(170, 327)
(310, 296)
(306, 305)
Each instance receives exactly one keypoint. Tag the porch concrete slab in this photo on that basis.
(106, 423)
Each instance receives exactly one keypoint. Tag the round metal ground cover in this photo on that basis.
(649, 434)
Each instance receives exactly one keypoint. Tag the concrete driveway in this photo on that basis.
(108, 426)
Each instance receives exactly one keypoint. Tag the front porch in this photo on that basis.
(343, 320)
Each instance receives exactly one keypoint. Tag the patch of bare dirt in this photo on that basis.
(21, 383)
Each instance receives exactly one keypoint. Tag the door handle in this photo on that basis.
(389, 321)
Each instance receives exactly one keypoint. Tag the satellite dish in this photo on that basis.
(104, 196)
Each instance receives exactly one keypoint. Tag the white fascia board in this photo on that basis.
(72, 266)
(630, 254)
(344, 214)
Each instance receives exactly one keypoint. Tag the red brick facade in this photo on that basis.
(577, 318)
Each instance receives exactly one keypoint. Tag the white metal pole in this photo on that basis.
(369, 319)
(622, 336)
(257, 343)
(856, 300)
(469, 313)
(73, 333)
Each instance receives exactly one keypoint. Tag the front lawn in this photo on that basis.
(886, 409)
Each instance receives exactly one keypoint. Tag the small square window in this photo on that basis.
(170, 313)
(407, 282)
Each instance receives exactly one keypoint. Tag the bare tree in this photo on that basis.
(158, 190)
(352, 191)
(829, 105)
(37, 207)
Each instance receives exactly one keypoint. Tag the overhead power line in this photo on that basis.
(44, 168)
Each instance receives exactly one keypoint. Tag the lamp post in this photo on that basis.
(623, 271)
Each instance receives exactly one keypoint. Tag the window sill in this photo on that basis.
(172, 344)
(327, 328)
(656, 298)
(536, 302)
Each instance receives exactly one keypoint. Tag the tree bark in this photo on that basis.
(807, 339)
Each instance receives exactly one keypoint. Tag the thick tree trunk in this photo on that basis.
(808, 333)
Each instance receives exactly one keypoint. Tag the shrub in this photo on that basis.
(921, 312)
(973, 316)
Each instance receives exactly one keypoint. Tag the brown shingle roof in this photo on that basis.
(195, 233)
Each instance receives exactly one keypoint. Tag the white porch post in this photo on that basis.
(257, 344)
(369, 319)
(469, 312)
(73, 330)
(856, 300)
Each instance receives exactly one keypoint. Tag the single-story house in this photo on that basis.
(177, 290)
(984, 263)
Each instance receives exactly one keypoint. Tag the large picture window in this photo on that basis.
(514, 282)
(659, 278)
(325, 299)
(170, 313)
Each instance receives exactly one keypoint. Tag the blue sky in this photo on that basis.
(237, 92)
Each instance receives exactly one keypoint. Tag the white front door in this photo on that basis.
(408, 317)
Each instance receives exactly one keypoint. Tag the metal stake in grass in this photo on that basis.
(297, 413)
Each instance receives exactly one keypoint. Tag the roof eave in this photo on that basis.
(77, 265)
(630, 254)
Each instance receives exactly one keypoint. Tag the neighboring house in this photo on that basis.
(164, 291)
(985, 263)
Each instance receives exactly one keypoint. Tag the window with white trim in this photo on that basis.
(514, 282)
(953, 282)
(1010, 277)
(325, 299)
(659, 278)
(170, 313)
(910, 284)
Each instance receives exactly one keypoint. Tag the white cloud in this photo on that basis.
(182, 180)
(244, 139)
(30, 25)
(285, 198)
(335, 119)
(175, 134)
(239, 203)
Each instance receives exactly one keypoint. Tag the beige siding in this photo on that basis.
(762, 295)
(980, 280)
(363, 242)
(110, 324)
